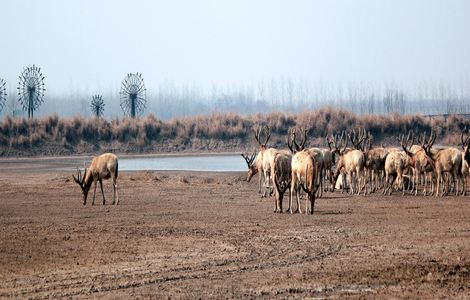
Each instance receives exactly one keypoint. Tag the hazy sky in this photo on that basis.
(90, 45)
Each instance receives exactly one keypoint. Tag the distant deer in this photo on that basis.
(102, 167)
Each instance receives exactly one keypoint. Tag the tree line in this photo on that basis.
(170, 100)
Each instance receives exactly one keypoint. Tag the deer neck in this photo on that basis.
(88, 179)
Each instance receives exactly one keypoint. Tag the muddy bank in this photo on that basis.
(193, 234)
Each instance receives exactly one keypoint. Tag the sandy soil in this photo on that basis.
(209, 235)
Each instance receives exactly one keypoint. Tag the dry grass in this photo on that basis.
(216, 131)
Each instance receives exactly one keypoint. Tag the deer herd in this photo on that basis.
(361, 168)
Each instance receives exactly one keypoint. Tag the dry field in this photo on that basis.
(209, 235)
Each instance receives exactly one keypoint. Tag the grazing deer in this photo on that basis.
(102, 167)
(262, 163)
(252, 166)
(303, 175)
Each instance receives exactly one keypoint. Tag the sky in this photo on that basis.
(90, 45)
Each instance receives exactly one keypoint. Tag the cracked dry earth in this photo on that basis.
(209, 235)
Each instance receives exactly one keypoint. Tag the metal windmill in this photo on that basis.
(3, 93)
(133, 95)
(97, 105)
(31, 89)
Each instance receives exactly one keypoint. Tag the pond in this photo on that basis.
(195, 162)
(205, 163)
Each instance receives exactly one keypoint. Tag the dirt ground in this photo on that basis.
(209, 235)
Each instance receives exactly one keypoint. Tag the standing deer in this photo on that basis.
(395, 164)
(419, 161)
(303, 175)
(375, 164)
(352, 162)
(448, 160)
(102, 167)
(281, 174)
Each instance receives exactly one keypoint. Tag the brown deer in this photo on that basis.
(395, 164)
(352, 162)
(102, 167)
(448, 160)
(281, 174)
(375, 163)
(303, 175)
(255, 162)
(419, 161)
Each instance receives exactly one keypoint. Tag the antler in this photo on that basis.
(426, 144)
(249, 159)
(302, 141)
(80, 179)
(369, 142)
(467, 139)
(267, 131)
(405, 144)
(257, 133)
(329, 142)
(340, 141)
(357, 139)
(289, 141)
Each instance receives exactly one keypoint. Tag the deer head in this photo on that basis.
(83, 184)
(295, 147)
(426, 144)
(252, 169)
(339, 143)
(407, 143)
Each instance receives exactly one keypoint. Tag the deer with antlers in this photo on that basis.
(351, 163)
(102, 167)
(446, 161)
(261, 163)
(281, 174)
(303, 173)
(375, 163)
(465, 156)
(317, 155)
(419, 161)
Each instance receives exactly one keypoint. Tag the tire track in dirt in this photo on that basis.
(68, 285)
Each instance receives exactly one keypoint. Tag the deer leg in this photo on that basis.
(115, 195)
(312, 204)
(292, 188)
(464, 185)
(102, 192)
(298, 199)
(260, 179)
(307, 202)
(94, 193)
(438, 184)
